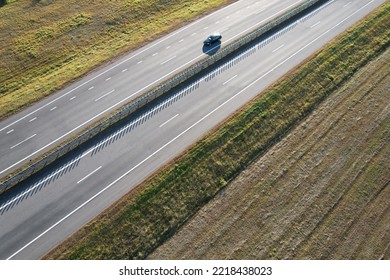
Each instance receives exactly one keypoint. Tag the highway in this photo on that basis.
(38, 214)
(41, 127)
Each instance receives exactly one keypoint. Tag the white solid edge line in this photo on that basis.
(97, 169)
(82, 156)
(120, 63)
(156, 81)
(182, 133)
(53, 174)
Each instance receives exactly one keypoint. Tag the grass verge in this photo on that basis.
(148, 216)
(322, 192)
(46, 44)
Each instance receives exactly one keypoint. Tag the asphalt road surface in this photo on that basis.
(37, 215)
(48, 123)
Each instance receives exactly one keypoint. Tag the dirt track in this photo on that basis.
(323, 192)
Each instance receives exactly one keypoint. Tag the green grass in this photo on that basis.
(139, 223)
(46, 44)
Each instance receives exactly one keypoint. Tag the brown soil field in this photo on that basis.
(323, 192)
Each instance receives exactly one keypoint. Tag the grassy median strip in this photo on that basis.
(152, 213)
(46, 44)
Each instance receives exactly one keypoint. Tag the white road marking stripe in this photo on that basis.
(23, 141)
(90, 88)
(33, 119)
(168, 60)
(168, 47)
(193, 34)
(139, 62)
(315, 24)
(36, 185)
(182, 40)
(262, 10)
(10, 131)
(130, 96)
(155, 54)
(347, 4)
(72, 98)
(104, 95)
(55, 107)
(124, 70)
(97, 169)
(185, 131)
(229, 80)
(278, 48)
(169, 120)
(120, 63)
(109, 78)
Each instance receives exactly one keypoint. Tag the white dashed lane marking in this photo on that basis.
(104, 95)
(169, 120)
(89, 175)
(229, 80)
(314, 25)
(278, 48)
(168, 60)
(21, 142)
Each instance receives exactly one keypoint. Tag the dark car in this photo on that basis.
(212, 39)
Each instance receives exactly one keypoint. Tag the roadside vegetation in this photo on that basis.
(46, 44)
(153, 212)
(323, 192)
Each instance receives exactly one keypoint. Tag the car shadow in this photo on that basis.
(212, 49)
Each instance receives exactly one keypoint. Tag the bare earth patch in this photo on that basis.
(321, 193)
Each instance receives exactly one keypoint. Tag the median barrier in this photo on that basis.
(70, 144)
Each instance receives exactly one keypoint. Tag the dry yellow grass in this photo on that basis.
(321, 193)
(46, 44)
(153, 211)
